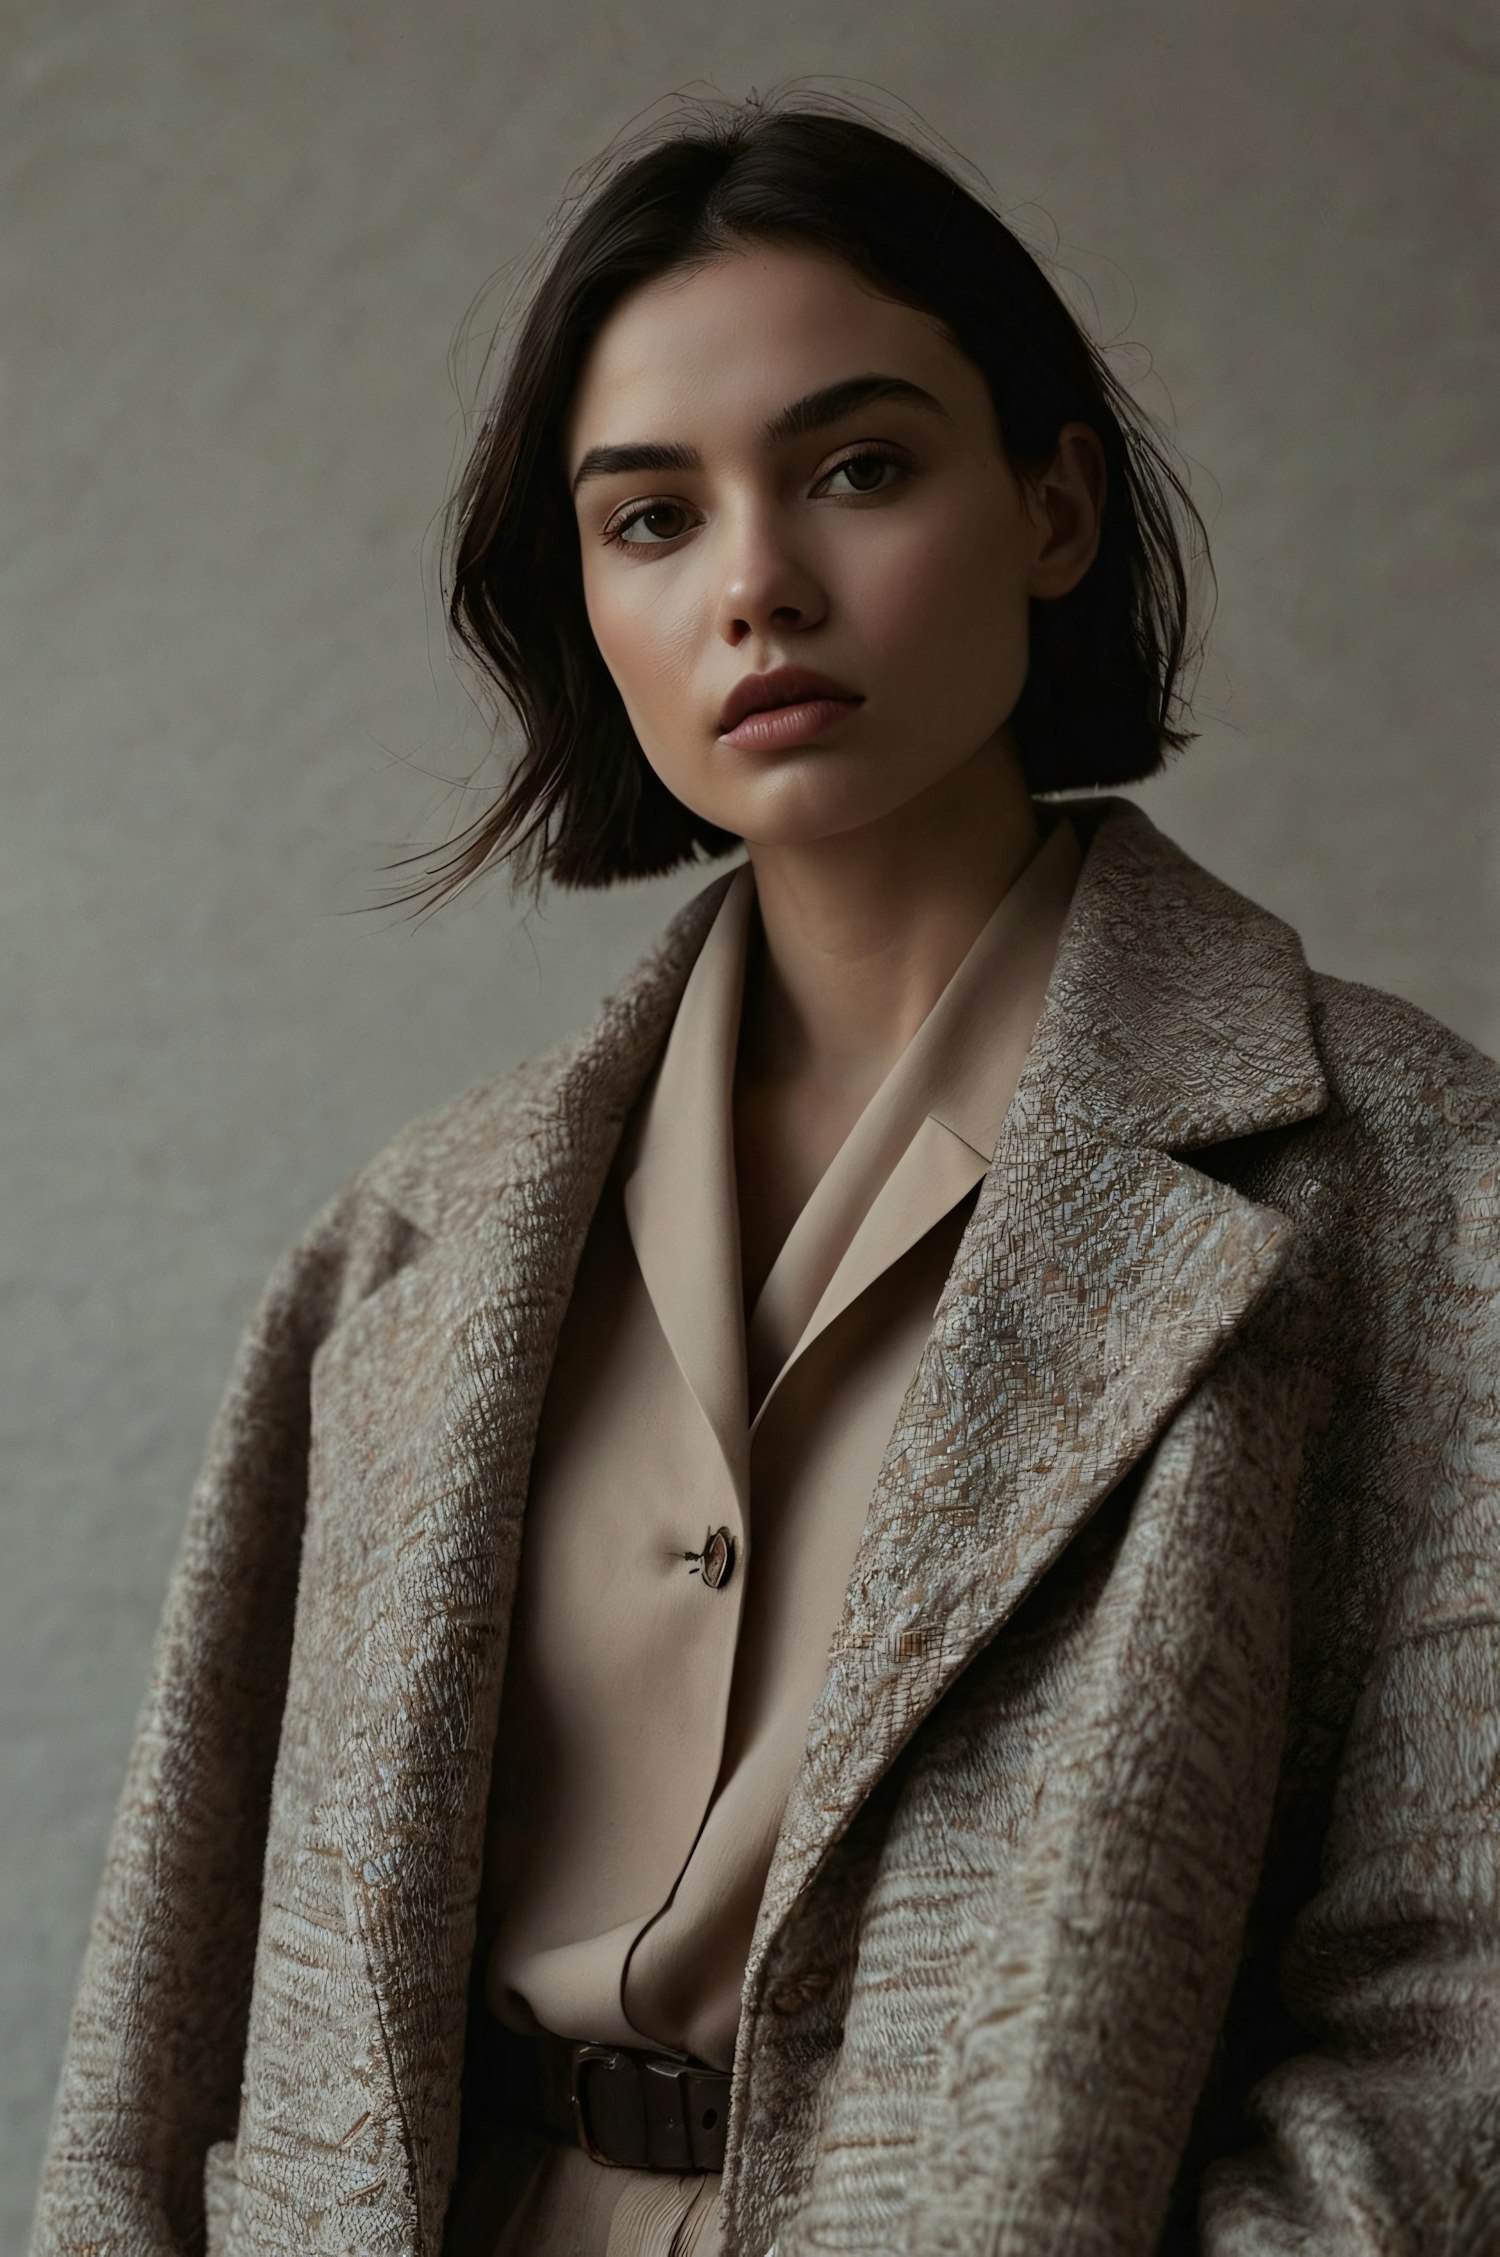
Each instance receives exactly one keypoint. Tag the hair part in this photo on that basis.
(582, 805)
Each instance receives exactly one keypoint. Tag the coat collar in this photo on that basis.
(1097, 1278)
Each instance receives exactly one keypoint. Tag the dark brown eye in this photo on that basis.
(866, 469)
(642, 516)
(870, 465)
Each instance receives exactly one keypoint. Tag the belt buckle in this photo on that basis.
(583, 2051)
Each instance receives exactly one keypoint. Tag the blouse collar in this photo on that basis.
(922, 1142)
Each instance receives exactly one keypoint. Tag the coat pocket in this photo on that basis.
(218, 2194)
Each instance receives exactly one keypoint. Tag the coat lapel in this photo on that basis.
(1098, 1278)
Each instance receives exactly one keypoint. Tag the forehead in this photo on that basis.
(725, 344)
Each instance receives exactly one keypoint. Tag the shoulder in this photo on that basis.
(1412, 1095)
(439, 1172)
(443, 1164)
(1387, 1056)
(1399, 1183)
(442, 1172)
(433, 1176)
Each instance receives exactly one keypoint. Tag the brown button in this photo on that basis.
(718, 1558)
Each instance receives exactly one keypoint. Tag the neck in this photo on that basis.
(855, 936)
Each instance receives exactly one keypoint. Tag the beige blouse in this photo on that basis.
(651, 1723)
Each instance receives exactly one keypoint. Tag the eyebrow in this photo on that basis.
(811, 413)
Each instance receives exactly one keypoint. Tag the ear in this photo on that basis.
(1066, 504)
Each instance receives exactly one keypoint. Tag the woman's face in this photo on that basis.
(887, 546)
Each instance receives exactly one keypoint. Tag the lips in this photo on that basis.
(784, 685)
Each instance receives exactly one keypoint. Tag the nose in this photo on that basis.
(766, 587)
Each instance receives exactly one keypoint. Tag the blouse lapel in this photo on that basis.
(926, 1137)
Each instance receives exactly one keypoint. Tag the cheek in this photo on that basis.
(632, 634)
(609, 623)
(947, 588)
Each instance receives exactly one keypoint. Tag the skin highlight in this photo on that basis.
(894, 550)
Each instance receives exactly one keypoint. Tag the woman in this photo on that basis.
(989, 1743)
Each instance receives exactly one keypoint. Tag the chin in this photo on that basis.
(807, 795)
(808, 807)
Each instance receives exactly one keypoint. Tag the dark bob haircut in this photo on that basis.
(582, 805)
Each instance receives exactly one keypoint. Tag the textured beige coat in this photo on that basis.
(1140, 1888)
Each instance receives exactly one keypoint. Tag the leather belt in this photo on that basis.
(626, 2105)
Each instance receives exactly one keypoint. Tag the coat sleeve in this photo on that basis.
(152, 2066)
(1382, 2138)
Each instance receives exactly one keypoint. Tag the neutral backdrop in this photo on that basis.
(251, 256)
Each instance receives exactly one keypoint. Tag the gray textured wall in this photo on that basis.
(237, 245)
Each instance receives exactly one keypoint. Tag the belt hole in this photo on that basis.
(709, 2118)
